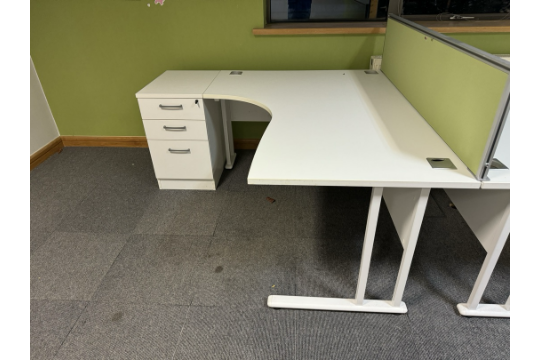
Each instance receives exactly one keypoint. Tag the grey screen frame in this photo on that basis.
(504, 103)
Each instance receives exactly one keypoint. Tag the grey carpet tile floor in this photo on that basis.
(46, 216)
(454, 338)
(70, 165)
(125, 331)
(37, 239)
(154, 269)
(326, 335)
(70, 266)
(122, 270)
(235, 332)
(113, 209)
(244, 271)
(50, 323)
(182, 213)
(251, 214)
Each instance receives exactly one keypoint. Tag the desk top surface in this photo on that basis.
(498, 179)
(176, 83)
(339, 128)
(330, 128)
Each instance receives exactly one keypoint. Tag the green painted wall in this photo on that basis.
(248, 129)
(93, 56)
(494, 43)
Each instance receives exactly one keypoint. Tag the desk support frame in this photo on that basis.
(407, 222)
(487, 212)
(230, 155)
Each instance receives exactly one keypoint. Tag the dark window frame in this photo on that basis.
(394, 7)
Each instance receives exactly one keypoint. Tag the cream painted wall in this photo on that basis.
(42, 125)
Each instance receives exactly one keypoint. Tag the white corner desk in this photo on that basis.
(328, 128)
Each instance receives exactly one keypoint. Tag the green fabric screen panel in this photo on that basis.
(457, 94)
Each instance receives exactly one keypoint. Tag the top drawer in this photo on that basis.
(191, 109)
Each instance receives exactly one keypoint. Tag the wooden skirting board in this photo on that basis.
(60, 142)
(134, 141)
(368, 27)
(105, 141)
(45, 152)
(246, 144)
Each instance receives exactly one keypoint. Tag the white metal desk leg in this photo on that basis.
(358, 303)
(407, 208)
(488, 214)
(227, 132)
(367, 247)
(473, 306)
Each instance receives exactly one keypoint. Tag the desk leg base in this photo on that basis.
(230, 165)
(318, 303)
(484, 310)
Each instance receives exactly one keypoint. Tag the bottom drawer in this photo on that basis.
(182, 159)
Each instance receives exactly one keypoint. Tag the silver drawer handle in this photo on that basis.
(175, 128)
(171, 107)
(176, 151)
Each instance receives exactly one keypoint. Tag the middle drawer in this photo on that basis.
(175, 130)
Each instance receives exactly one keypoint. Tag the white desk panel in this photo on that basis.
(339, 128)
(174, 84)
(499, 179)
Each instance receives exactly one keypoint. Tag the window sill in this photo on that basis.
(447, 27)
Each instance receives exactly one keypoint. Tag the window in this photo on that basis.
(280, 11)
(326, 10)
(455, 9)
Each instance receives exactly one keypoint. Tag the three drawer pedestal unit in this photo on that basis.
(184, 132)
